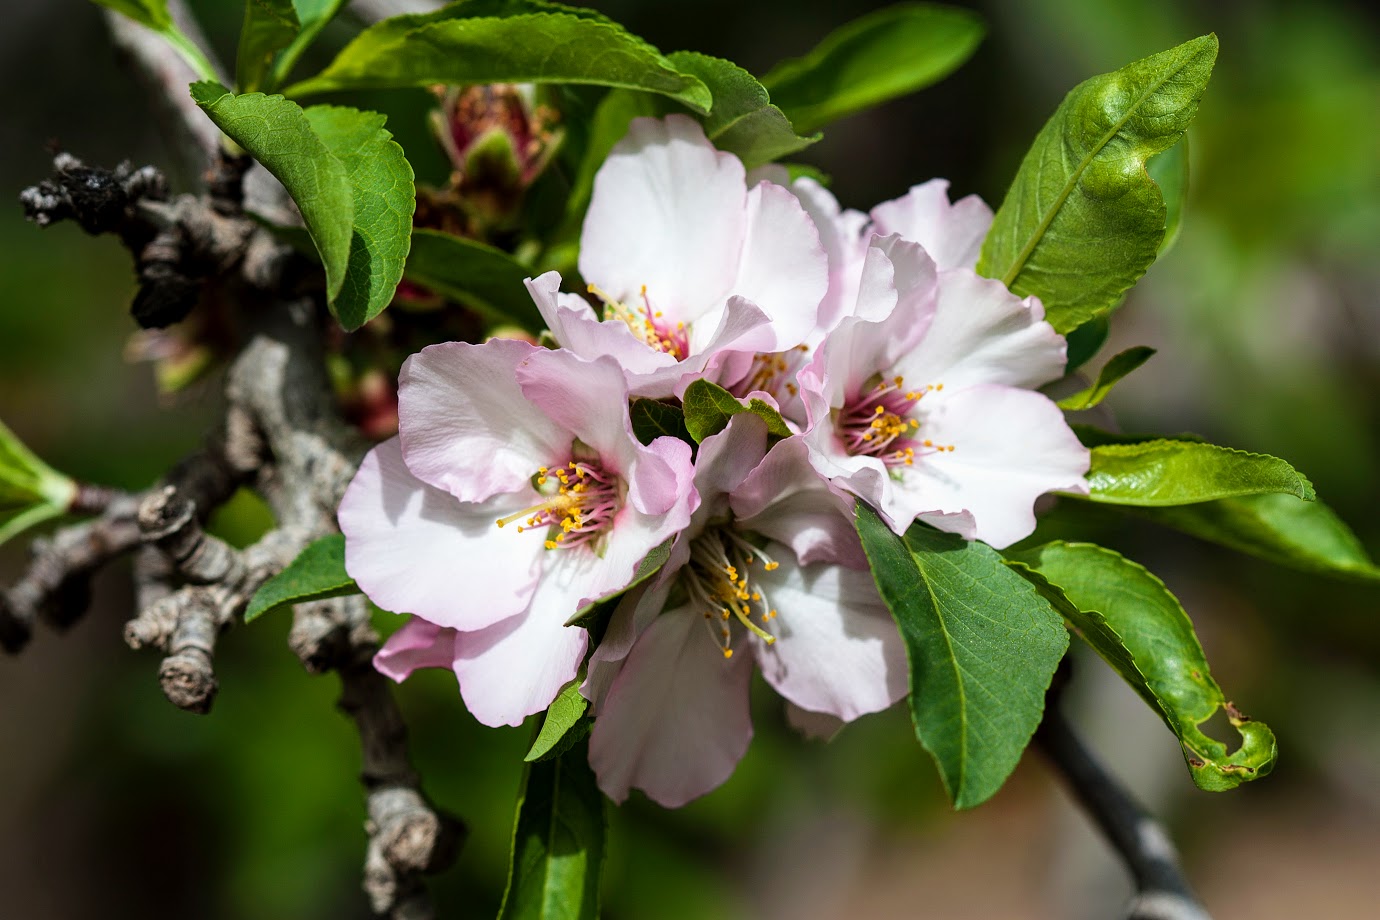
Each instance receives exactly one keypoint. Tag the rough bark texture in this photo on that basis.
(281, 435)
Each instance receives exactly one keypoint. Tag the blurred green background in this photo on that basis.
(113, 804)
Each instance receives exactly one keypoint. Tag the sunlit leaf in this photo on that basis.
(982, 644)
(565, 724)
(491, 41)
(317, 573)
(1118, 367)
(1083, 220)
(1164, 472)
(742, 120)
(1140, 628)
(475, 274)
(708, 407)
(558, 842)
(269, 26)
(384, 198)
(877, 57)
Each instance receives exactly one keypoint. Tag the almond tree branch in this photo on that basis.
(1162, 889)
(282, 435)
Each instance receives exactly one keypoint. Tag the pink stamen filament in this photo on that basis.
(880, 424)
(647, 324)
(585, 503)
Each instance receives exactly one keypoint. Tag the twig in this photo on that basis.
(1162, 890)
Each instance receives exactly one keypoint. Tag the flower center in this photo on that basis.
(718, 579)
(772, 373)
(647, 324)
(880, 423)
(581, 504)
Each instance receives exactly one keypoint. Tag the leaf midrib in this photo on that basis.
(1009, 278)
(958, 677)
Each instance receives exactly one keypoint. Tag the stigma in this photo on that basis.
(881, 423)
(582, 501)
(646, 323)
(721, 587)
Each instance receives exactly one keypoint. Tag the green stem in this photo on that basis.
(193, 55)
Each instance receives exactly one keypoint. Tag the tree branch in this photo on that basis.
(1162, 889)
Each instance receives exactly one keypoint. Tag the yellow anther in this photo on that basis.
(728, 653)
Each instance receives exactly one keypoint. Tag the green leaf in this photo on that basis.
(154, 14)
(269, 26)
(475, 274)
(1170, 172)
(30, 490)
(277, 133)
(652, 419)
(708, 407)
(491, 41)
(317, 573)
(1163, 472)
(384, 197)
(151, 13)
(1127, 611)
(742, 120)
(982, 643)
(1305, 535)
(1118, 367)
(872, 59)
(1086, 341)
(558, 842)
(314, 15)
(564, 726)
(1083, 219)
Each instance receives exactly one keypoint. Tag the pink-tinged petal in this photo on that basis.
(634, 612)
(725, 460)
(784, 269)
(417, 644)
(415, 549)
(951, 233)
(465, 425)
(1010, 447)
(786, 500)
(575, 327)
(982, 333)
(667, 212)
(814, 726)
(515, 668)
(675, 722)
(837, 649)
(741, 327)
(843, 235)
(588, 399)
(663, 477)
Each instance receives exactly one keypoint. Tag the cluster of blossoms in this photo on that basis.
(516, 493)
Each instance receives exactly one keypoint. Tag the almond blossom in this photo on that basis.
(514, 495)
(768, 572)
(687, 263)
(922, 401)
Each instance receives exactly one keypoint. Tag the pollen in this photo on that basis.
(880, 423)
(645, 322)
(719, 582)
(581, 501)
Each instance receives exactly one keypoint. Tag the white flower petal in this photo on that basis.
(1010, 447)
(784, 269)
(982, 333)
(667, 212)
(951, 233)
(675, 722)
(465, 425)
(416, 549)
(515, 668)
(837, 649)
